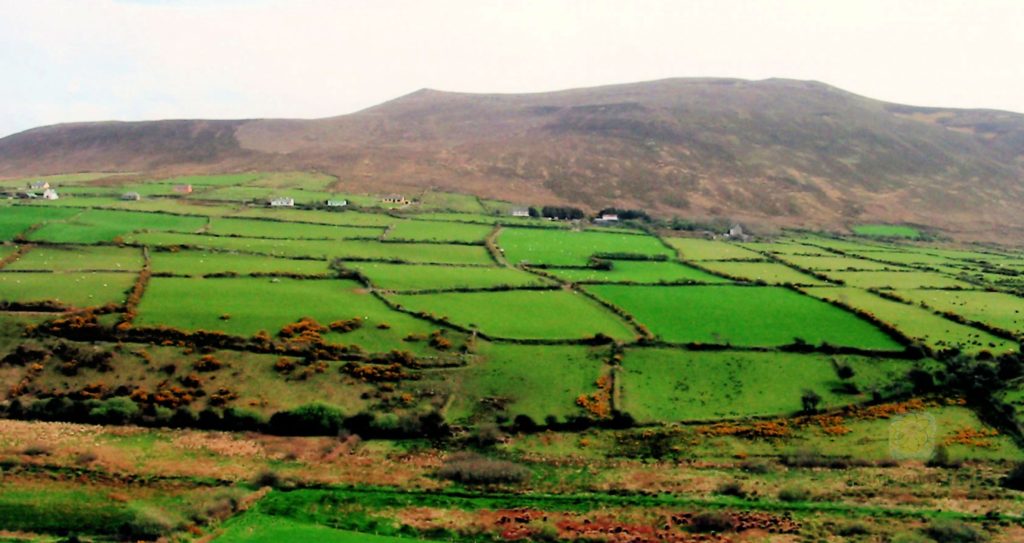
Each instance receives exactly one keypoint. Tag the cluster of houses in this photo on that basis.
(286, 201)
(37, 190)
(43, 190)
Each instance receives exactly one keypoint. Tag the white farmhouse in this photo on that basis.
(50, 194)
(282, 202)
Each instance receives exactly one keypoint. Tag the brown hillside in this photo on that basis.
(776, 151)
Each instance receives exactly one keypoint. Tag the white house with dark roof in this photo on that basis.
(282, 201)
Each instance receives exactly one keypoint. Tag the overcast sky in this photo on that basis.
(78, 60)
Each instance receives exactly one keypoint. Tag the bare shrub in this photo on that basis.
(472, 469)
(37, 449)
(712, 521)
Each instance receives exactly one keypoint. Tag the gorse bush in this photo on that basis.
(313, 419)
(955, 532)
(1015, 479)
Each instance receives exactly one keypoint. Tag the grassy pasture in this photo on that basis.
(789, 248)
(255, 304)
(71, 288)
(769, 272)
(59, 506)
(897, 279)
(835, 263)
(169, 205)
(198, 263)
(846, 245)
(287, 180)
(742, 316)
(438, 231)
(537, 381)
(522, 314)
(916, 322)
(703, 249)
(71, 258)
(7, 250)
(886, 231)
(426, 276)
(341, 218)
(449, 201)
(907, 258)
(570, 248)
(115, 191)
(254, 527)
(998, 309)
(217, 180)
(502, 218)
(638, 271)
(350, 249)
(671, 385)
(15, 220)
(274, 247)
(96, 225)
(58, 179)
(288, 230)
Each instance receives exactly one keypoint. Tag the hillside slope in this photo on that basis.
(776, 151)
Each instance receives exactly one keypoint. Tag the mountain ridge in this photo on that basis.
(776, 151)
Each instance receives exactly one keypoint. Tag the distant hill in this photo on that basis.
(778, 152)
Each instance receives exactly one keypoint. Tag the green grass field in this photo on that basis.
(78, 259)
(768, 272)
(897, 279)
(258, 528)
(835, 263)
(536, 381)
(911, 258)
(638, 271)
(255, 304)
(96, 226)
(886, 231)
(568, 248)
(742, 316)
(15, 220)
(341, 218)
(524, 314)
(998, 309)
(201, 263)
(438, 231)
(288, 230)
(426, 276)
(324, 249)
(915, 322)
(703, 249)
(665, 384)
(74, 289)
